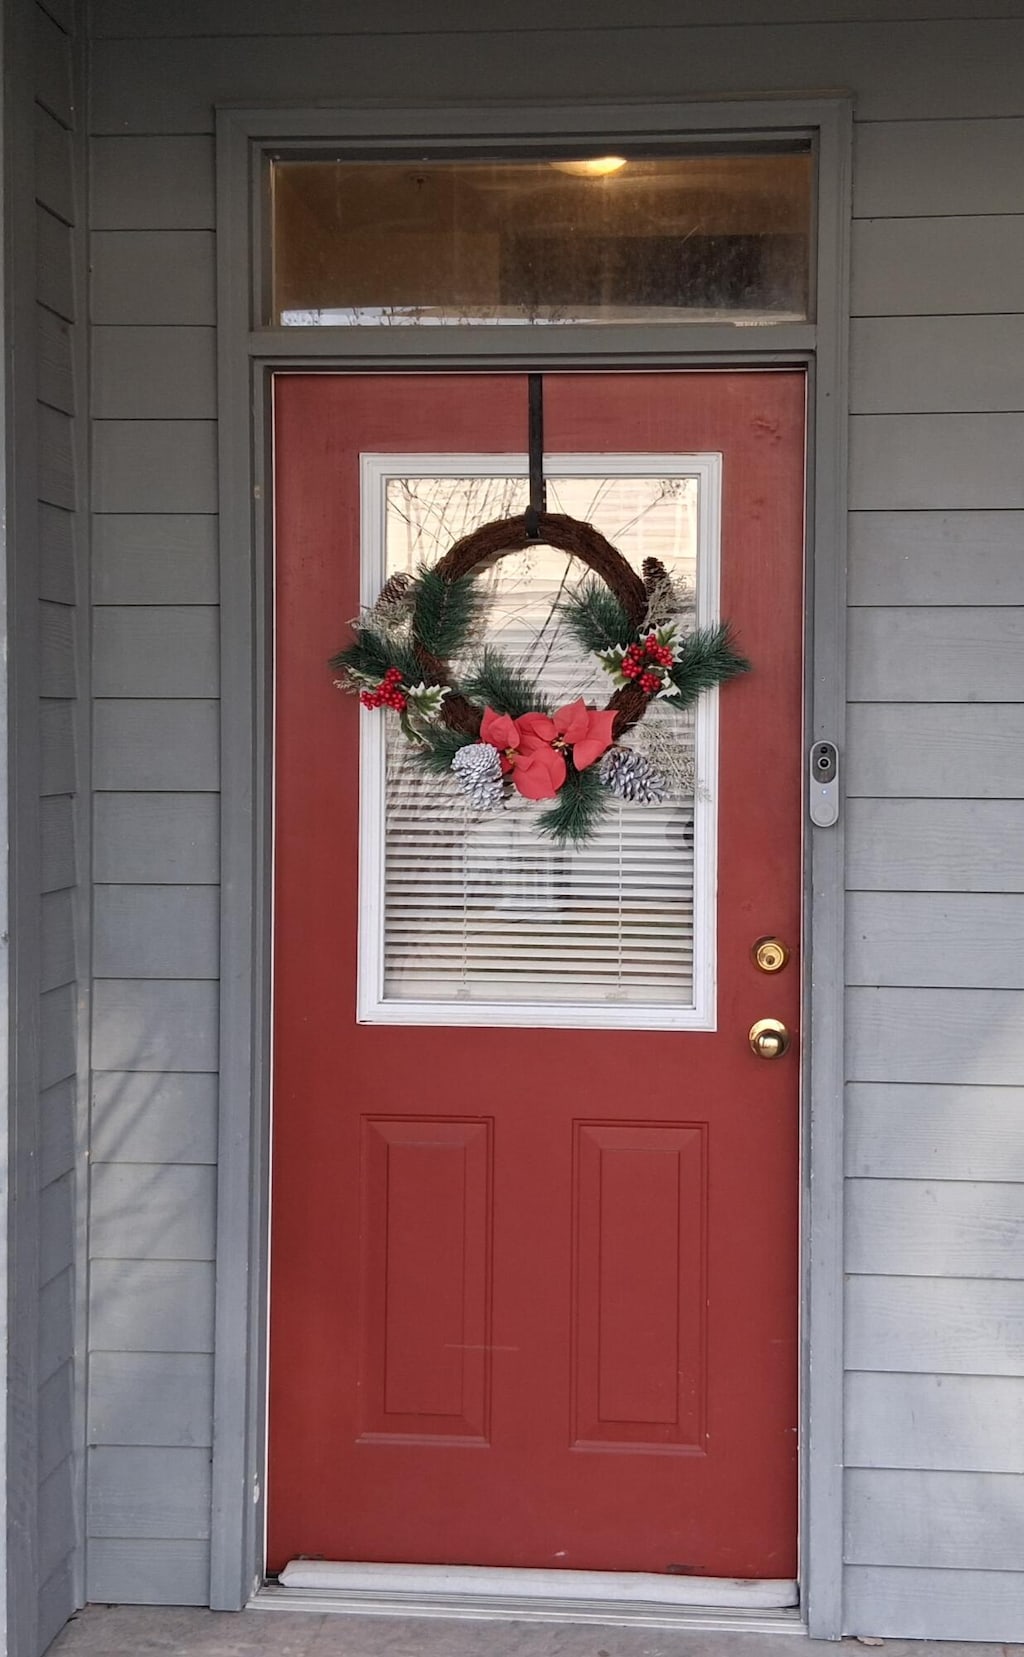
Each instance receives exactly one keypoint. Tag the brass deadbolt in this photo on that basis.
(770, 954)
(768, 1038)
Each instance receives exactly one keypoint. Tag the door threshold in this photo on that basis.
(478, 1593)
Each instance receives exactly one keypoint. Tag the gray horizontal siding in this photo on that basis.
(57, 944)
(58, 1028)
(58, 1597)
(935, 1035)
(138, 1571)
(935, 1326)
(56, 383)
(154, 276)
(55, 275)
(152, 183)
(58, 368)
(936, 364)
(963, 1228)
(933, 1604)
(156, 650)
(935, 821)
(55, 1500)
(56, 1227)
(62, 12)
(902, 70)
(55, 1143)
(155, 1024)
(938, 168)
(56, 843)
(55, 435)
(947, 654)
(56, 1436)
(157, 838)
(911, 462)
(941, 268)
(155, 558)
(53, 68)
(969, 1423)
(957, 939)
(914, 1131)
(154, 466)
(156, 931)
(949, 750)
(156, 745)
(155, 588)
(127, 18)
(965, 1521)
(936, 558)
(151, 1399)
(48, 1424)
(149, 1492)
(56, 1333)
(151, 1306)
(154, 373)
(152, 1211)
(154, 1119)
(906, 845)
(58, 577)
(57, 666)
(54, 164)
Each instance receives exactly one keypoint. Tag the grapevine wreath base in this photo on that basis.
(491, 728)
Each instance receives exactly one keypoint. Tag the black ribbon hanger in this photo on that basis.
(538, 488)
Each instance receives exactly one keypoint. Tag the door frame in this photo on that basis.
(248, 358)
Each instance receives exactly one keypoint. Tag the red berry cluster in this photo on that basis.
(644, 661)
(389, 693)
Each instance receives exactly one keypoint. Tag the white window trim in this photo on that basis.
(371, 1006)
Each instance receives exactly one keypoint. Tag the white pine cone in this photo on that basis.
(478, 768)
(632, 777)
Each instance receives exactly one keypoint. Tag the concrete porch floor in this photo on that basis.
(134, 1631)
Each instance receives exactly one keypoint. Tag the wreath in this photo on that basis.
(491, 728)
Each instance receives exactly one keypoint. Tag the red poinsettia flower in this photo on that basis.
(587, 731)
(533, 746)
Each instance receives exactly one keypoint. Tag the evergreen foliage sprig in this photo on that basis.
(595, 618)
(706, 658)
(370, 655)
(444, 612)
(579, 805)
(498, 685)
(437, 746)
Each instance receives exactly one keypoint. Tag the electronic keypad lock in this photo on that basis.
(824, 785)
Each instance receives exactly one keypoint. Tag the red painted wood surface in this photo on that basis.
(535, 1325)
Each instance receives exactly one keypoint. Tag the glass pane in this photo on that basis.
(483, 908)
(654, 239)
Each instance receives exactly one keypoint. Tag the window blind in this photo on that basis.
(485, 909)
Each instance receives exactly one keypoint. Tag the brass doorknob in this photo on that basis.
(768, 1038)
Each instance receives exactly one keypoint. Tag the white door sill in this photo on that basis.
(479, 1593)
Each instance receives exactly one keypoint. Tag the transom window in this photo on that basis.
(701, 236)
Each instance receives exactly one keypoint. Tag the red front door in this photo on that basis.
(534, 1289)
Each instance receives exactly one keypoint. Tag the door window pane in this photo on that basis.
(483, 914)
(641, 239)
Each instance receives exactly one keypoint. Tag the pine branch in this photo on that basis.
(444, 612)
(707, 658)
(371, 654)
(437, 747)
(595, 618)
(496, 683)
(579, 806)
